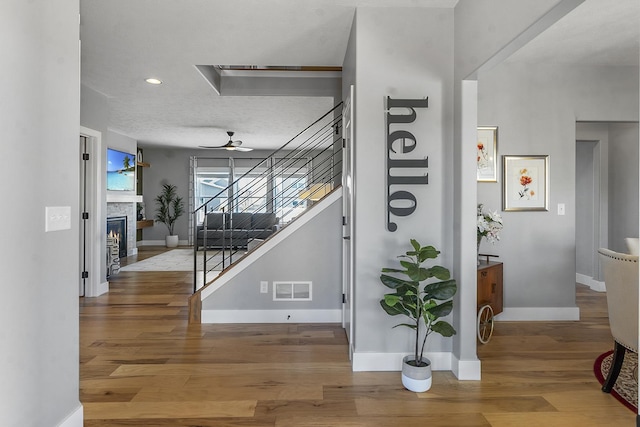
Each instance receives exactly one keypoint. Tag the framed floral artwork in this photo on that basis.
(525, 185)
(487, 158)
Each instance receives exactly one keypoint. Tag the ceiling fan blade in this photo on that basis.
(234, 143)
(214, 147)
(243, 149)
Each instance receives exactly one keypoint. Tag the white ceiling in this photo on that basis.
(124, 42)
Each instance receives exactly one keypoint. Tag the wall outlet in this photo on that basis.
(264, 287)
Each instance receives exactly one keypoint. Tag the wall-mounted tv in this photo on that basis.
(121, 171)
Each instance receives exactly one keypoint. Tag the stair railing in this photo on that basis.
(291, 178)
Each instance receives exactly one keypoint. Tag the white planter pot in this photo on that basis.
(416, 378)
(171, 241)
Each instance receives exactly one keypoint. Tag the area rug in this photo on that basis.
(626, 386)
(175, 260)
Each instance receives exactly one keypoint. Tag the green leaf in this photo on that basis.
(415, 244)
(440, 310)
(407, 325)
(391, 299)
(428, 252)
(395, 310)
(441, 290)
(440, 272)
(443, 328)
(407, 264)
(393, 270)
(393, 282)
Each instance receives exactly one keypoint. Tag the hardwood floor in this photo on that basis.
(141, 364)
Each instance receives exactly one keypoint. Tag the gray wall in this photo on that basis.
(39, 167)
(536, 107)
(623, 184)
(387, 63)
(312, 253)
(586, 205)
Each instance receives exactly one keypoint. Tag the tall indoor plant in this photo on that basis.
(423, 301)
(169, 208)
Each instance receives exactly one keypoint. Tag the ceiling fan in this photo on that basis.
(231, 145)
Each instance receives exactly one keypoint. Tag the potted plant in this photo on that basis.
(488, 225)
(423, 300)
(170, 208)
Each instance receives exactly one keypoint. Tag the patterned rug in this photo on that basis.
(176, 260)
(626, 386)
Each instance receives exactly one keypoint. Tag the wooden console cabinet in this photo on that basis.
(490, 285)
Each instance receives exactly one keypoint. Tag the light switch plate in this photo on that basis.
(57, 218)
(264, 287)
(560, 208)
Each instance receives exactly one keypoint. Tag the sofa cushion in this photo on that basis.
(263, 220)
(214, 220)
(241, 220)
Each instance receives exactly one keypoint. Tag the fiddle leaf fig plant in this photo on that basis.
(421, 294)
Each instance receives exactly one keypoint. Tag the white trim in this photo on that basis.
(102, 288)
(594, 284)
(75, 419)
(271, 316)
(548, 314)
(373, 362)
(466, 370)
(269, 244)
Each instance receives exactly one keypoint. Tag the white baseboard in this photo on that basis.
(594, 284)
(373, 362)
(103, 288)
(272, 316)
(466, 370)
(75, 419)
(524, 314)
(96, 290)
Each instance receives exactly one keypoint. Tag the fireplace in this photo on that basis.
(117, 229)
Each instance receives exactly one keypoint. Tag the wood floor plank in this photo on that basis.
(431, 405)
(181, 409)
(143, 364)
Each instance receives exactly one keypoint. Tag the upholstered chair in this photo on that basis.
(632, 245)
(621, 280)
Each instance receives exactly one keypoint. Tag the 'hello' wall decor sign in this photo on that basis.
(400, 201)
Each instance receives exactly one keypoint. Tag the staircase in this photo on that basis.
(294, 178)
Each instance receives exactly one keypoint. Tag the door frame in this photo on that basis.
(96, 224)
(348, 204)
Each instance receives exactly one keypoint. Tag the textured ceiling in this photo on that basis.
(598, 32)
(124, 42)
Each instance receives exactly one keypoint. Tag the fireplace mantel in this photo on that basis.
(123, 198)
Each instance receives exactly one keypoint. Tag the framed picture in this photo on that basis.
(525, 184)
(487, 159)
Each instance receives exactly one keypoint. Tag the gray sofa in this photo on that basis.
(239, 229)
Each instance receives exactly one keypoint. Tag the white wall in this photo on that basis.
(39, 130)
(536, 107)
(396, 54)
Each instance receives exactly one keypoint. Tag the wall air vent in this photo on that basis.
(292, 291)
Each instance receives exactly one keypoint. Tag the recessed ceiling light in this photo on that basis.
(153, 81)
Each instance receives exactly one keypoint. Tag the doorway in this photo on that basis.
(92, 223)
(591, 232)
